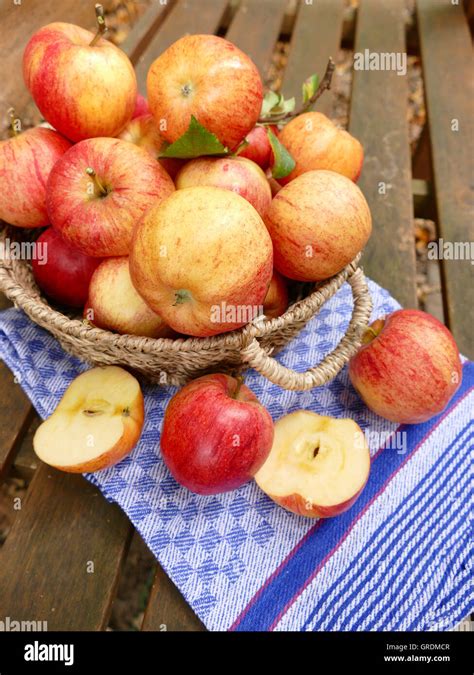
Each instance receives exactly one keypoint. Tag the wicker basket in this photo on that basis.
(174, 362)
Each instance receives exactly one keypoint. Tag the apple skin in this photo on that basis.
(297, 504)
(115, 304)
(315, 142)
(66, 275)
(102, 226)
(259, 149)
(210, 78)
(276, 299)
(143, 131)
(409, 367)
(141, 107)
(318, 224)
(203, 456)
(26, 161)
(228, 261)
(82, 91)
(238, 174)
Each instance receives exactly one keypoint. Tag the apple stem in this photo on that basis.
(323, 85)
(101, 25)
(15, 122)
(373, 331)
(97, 182)
(181, 296)
(240, 381)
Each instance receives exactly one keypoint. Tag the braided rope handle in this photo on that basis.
(256, 357)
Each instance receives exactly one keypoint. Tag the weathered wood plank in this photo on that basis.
(64, 530)
(145, 28)
(449, 91)
(19, 22)
(167, 609)
(26, 461)
(255, 29)
(15, 415)
(379, 120)
(187, 16)
(316, 37)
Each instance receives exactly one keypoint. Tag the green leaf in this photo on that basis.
(310, 87)
(275, 104)
(284, 162)
(195, 142)
(284, 106)
(270, 100)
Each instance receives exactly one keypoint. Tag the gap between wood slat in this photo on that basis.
(186, 16)
(447, 62)
(255, 29)
(378, 119)
(316, 36)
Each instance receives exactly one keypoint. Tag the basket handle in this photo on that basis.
(256, 357)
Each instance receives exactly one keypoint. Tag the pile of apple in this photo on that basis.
(206, 195)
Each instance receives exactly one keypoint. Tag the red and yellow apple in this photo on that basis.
(141, 106)
(276, 299)
(143, 131)
(99, 190)
(238, 174)
(114, 304)
(202, 260)
(26, 161)
(318, 223)
(210, 78)
(408, 367)
(83, 90)
(64, 273)
(259, 149)
(97, 422)
(315, 142)
(317, 466)
(216, 434)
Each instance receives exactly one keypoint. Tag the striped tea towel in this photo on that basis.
(399, 559)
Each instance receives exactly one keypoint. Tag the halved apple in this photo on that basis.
(96, 424)
(317, 466)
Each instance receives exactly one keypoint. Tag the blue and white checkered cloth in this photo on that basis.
(399, 559)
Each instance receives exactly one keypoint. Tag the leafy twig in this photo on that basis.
(323, 85)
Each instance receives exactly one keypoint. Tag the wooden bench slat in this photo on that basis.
(378, 119)
(64, 524)
(197, 16)
(316, 36)
(167, 607)
(26, 460)
(255, 29)
(449, 91)
(19, 22)
(145, 28)
(15, 415)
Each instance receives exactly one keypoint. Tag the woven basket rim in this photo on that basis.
(18, 284)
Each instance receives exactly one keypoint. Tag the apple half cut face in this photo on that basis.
(96, 424)
(317, 466)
